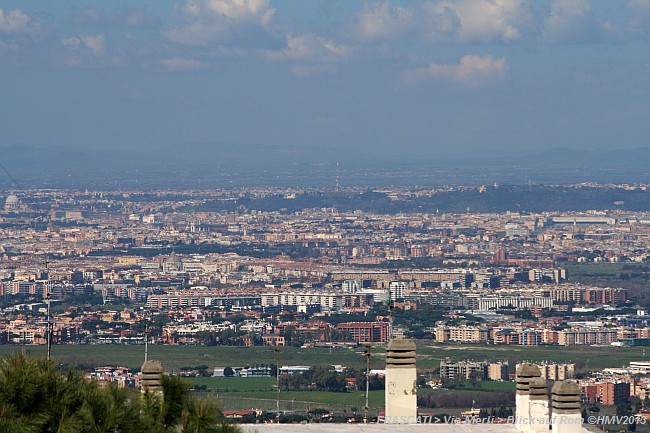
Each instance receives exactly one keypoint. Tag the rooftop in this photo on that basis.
(378, 428)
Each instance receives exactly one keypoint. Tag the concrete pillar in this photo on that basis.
(538, 406)
(565, 403)
(151, 377)
(401, 382)
(525, 372)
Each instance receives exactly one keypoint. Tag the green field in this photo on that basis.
(260, 392)
(176, 357)
(484, 386)
(243, 393)
(597, 269)
(429, 355)
(239, 384)
(308, 398)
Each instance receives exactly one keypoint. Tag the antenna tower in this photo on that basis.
(338, 178)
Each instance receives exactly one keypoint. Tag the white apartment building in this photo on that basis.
(326, 300)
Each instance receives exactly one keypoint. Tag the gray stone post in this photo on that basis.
(565, 402)
(538, 406)
(152, 372)
(401, 382)
(525, 372)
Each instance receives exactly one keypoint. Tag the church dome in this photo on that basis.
(12, 202)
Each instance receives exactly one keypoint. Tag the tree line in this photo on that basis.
(35, 397)
(328, 379)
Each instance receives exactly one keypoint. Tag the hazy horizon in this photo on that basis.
(218, 84)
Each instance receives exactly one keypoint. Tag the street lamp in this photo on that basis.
(366, 352)
(48, 301)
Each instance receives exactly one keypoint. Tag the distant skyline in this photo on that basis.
(324, 80)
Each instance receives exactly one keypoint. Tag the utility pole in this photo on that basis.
(48, 301)
(390, 304)
(277, 376)
(146, 336)
(365, 411)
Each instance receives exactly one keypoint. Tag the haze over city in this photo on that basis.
(226, 215)
(170, 85)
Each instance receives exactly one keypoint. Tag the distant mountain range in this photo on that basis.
(249, 165)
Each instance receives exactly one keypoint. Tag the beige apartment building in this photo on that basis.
(573, 337)
(466, 334)
(552, 371)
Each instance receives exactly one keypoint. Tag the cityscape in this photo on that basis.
(153, 269)
(377, 216)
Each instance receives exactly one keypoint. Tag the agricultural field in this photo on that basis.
(631, 276)
(243, 393)
(429, 355)
(236, 393)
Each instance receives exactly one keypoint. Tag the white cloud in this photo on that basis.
(382, 21)
(472, 70)
(73, 42)
(479, 20)
(208, 21)
(312, 47)
(440, 23)
(572, 21)
(640, 6)
(239, 9)
(446, 20)
(11, 46)
(95, 43)
(88, 51)
(181, 64)
(15, 21)
(640, 21)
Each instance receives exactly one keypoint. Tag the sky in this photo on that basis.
(324, 79)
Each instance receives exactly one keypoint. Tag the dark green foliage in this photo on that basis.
(37, 397)
(317, 378)
(445, 398)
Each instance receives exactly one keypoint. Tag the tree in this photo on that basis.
(228, 372)
(623, 409)
(37, 397)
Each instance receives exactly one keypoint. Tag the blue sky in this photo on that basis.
(399, 79)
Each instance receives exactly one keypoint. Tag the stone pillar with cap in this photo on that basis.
(565, 405)
(538, 405)
(525, 372)
(401, 382)
(152, 372)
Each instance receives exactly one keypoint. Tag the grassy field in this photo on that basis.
(244, 393)
(631, 276)
(239, 384)
(175, 357)
(485, 386)
(260, 392)
(596, 269)
(316, 398)
(429, 355)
